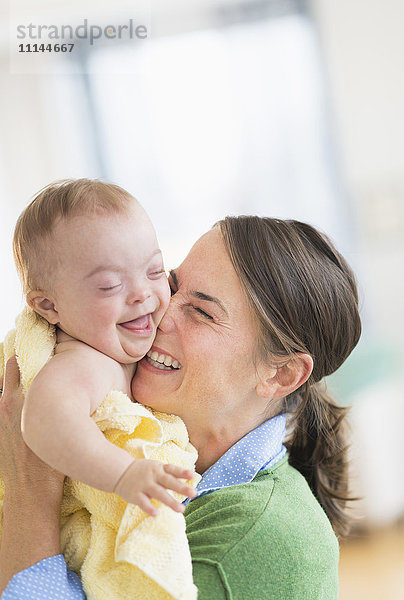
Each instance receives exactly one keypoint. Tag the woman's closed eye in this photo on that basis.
(201, 312)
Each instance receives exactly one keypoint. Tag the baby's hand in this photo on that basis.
(145, 479)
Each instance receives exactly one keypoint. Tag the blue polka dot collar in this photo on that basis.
(259, 449)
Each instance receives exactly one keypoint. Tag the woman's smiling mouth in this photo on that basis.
(161, 361)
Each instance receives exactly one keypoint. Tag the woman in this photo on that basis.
(262, 310)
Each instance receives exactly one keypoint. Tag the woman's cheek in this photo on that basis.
(166, 296)
(202, 342)
(163, 294)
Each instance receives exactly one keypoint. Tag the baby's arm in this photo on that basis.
(56, 425)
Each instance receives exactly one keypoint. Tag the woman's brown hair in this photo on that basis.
(304, 297)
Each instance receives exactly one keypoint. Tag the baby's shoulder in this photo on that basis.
(83, 371)
(77, 360)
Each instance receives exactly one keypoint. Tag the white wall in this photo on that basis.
(38, 144)
(363, 49)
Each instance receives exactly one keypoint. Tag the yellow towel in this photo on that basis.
(118, 550)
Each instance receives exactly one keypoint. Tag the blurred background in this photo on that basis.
(283, 108)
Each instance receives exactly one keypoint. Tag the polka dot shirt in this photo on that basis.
(47, 580)
(260, 449)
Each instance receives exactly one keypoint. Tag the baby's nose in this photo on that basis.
(139, 294)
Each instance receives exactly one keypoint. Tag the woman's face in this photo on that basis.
(208, 330)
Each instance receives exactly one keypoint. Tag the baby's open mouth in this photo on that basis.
(140, 325)
(162, 361)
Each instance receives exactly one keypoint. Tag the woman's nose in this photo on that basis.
(168, 323)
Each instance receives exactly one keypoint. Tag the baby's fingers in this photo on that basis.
(145, 504)
(159, 493)
(179, 472)
(176, 485)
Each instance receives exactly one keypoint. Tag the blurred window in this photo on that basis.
(227, 119)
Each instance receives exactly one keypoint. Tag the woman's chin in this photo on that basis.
(150, 385)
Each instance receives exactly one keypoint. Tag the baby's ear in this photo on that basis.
(44, 305)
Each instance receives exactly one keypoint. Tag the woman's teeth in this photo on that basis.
(161, 361)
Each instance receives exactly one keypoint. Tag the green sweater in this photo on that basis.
(265, 539)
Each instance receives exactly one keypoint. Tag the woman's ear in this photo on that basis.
(44, 305)
(278, 382)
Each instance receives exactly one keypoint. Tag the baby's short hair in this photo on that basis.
(57, 201)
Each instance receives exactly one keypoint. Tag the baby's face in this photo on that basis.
(109, 285)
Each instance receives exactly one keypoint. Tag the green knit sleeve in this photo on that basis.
(210, 581)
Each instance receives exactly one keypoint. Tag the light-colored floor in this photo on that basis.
(372, 566)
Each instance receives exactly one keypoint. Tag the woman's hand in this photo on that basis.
(19, 467)
(33, 491)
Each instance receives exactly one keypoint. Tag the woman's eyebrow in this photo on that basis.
(208, 298)
(200, 295)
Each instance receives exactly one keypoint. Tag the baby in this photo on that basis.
(90, 264)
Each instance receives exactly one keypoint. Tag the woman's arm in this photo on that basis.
(33, 491)
(30, 532)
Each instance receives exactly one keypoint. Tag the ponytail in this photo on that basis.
(317, 448)
(304, 297)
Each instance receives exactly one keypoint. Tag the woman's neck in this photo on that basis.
(208, 453)
(213, 441)
(211, 445)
